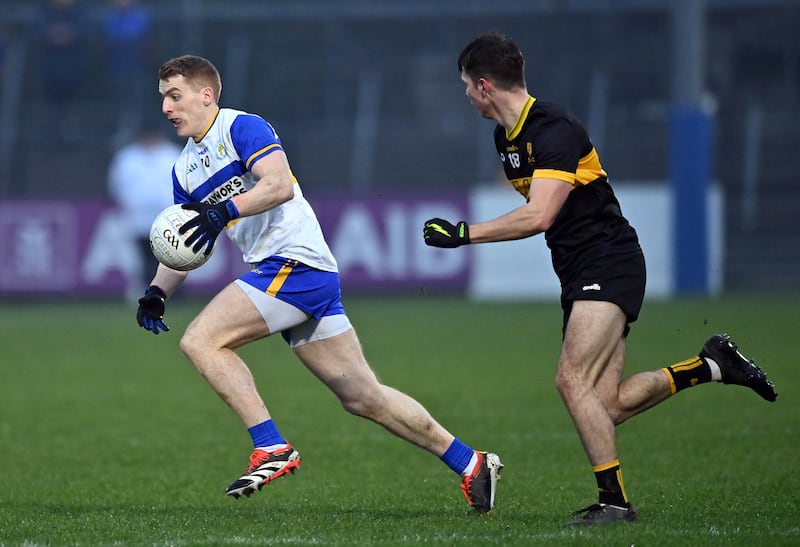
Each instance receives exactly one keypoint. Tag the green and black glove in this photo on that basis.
(441, 233)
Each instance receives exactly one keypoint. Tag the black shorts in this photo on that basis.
(620, 280)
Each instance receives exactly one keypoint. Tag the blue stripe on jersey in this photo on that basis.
(233, 169)
(253, 138)
(261, 153)
(179, 195)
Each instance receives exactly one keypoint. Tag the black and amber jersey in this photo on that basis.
(548, 141)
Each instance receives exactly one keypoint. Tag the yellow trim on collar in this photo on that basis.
(205, 131)
(514, 133)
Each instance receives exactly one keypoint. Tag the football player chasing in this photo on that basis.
(548, 158)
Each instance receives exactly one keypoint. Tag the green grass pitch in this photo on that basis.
(109, 437)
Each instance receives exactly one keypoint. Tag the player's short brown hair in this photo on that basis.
(198, 71)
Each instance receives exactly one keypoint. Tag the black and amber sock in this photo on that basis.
(688, 373)
(609, 484)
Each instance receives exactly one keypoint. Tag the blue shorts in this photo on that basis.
(316, 292)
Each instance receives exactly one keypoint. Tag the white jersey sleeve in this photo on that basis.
(217, 167)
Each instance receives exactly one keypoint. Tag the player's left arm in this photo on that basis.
(547, 196)
(275, 185)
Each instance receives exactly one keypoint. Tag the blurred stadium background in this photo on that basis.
(366, 97)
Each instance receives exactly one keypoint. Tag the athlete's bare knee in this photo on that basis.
(363, 406)
(619, 411)
(365, 403)
(614, 411)
(569, 385)
(192, 345)
(186, 344)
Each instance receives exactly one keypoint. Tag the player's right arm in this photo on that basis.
(547, 197)
(168, 280)
(150, 314)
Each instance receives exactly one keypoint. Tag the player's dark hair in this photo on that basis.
(200, 72)
(495, 57)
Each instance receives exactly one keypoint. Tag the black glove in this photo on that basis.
(151, 310)
(210, 221)
(440, 233)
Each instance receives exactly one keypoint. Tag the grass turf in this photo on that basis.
(109, 437)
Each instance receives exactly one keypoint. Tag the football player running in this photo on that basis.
(234, 172)
(548, 158)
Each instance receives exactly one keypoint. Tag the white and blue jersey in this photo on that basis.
(217, 167)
